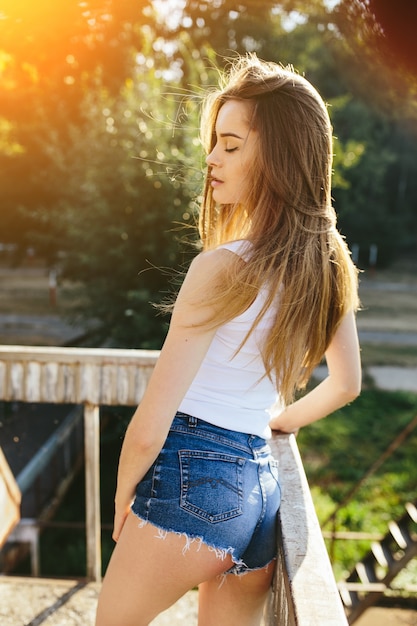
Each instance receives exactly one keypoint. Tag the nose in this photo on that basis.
(212, 158)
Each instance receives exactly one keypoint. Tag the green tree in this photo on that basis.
(376, 204)
(123, 182)
(99, 157)
(50, 56)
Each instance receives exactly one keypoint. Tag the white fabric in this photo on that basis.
(230, 390)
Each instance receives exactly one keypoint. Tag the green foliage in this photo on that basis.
(99, 157)
(354, 433)
(337, 452)
(50, 56)
(370, 211)
(117, 215)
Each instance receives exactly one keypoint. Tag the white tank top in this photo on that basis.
(231, 390)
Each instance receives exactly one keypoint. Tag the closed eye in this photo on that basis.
(230, 149)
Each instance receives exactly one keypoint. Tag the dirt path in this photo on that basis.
(387, 617)
(31, 314)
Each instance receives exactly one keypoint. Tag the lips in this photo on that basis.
(215, 182)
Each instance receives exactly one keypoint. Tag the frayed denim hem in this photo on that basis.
(239, 567)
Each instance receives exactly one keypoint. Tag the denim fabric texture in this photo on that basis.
(217, 486)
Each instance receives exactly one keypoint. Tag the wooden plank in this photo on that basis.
(10, 498)
(305, 592)
(364, 587)
(310, 588)
(77, 355)
(92, 491)
(75, 375)
(280, 610)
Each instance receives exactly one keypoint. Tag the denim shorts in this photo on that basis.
(217, 486)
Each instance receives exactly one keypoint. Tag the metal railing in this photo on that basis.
(304, 591)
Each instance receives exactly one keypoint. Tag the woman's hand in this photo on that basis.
(120, 516)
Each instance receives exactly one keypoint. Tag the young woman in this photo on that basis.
(273, 291)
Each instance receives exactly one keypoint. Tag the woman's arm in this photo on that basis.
(341, 386)
(183, 351)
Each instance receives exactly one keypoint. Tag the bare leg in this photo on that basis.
(147, 574)
(238, 601)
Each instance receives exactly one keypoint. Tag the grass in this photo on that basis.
(338, 451)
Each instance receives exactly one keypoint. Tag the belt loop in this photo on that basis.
(192, 421)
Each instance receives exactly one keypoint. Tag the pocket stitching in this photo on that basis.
(184, 458)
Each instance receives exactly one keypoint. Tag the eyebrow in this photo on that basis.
(231, 135)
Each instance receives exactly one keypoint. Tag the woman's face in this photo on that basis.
(231, 160)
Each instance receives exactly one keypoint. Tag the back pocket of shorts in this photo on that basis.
(211, 484)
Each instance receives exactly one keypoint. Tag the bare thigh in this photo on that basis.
(148, 572)
(236, 600)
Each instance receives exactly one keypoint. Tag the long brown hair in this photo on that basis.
(297, 251)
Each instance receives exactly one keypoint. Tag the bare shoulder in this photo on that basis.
(213, 260)
(205, 273)
(209, 266)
